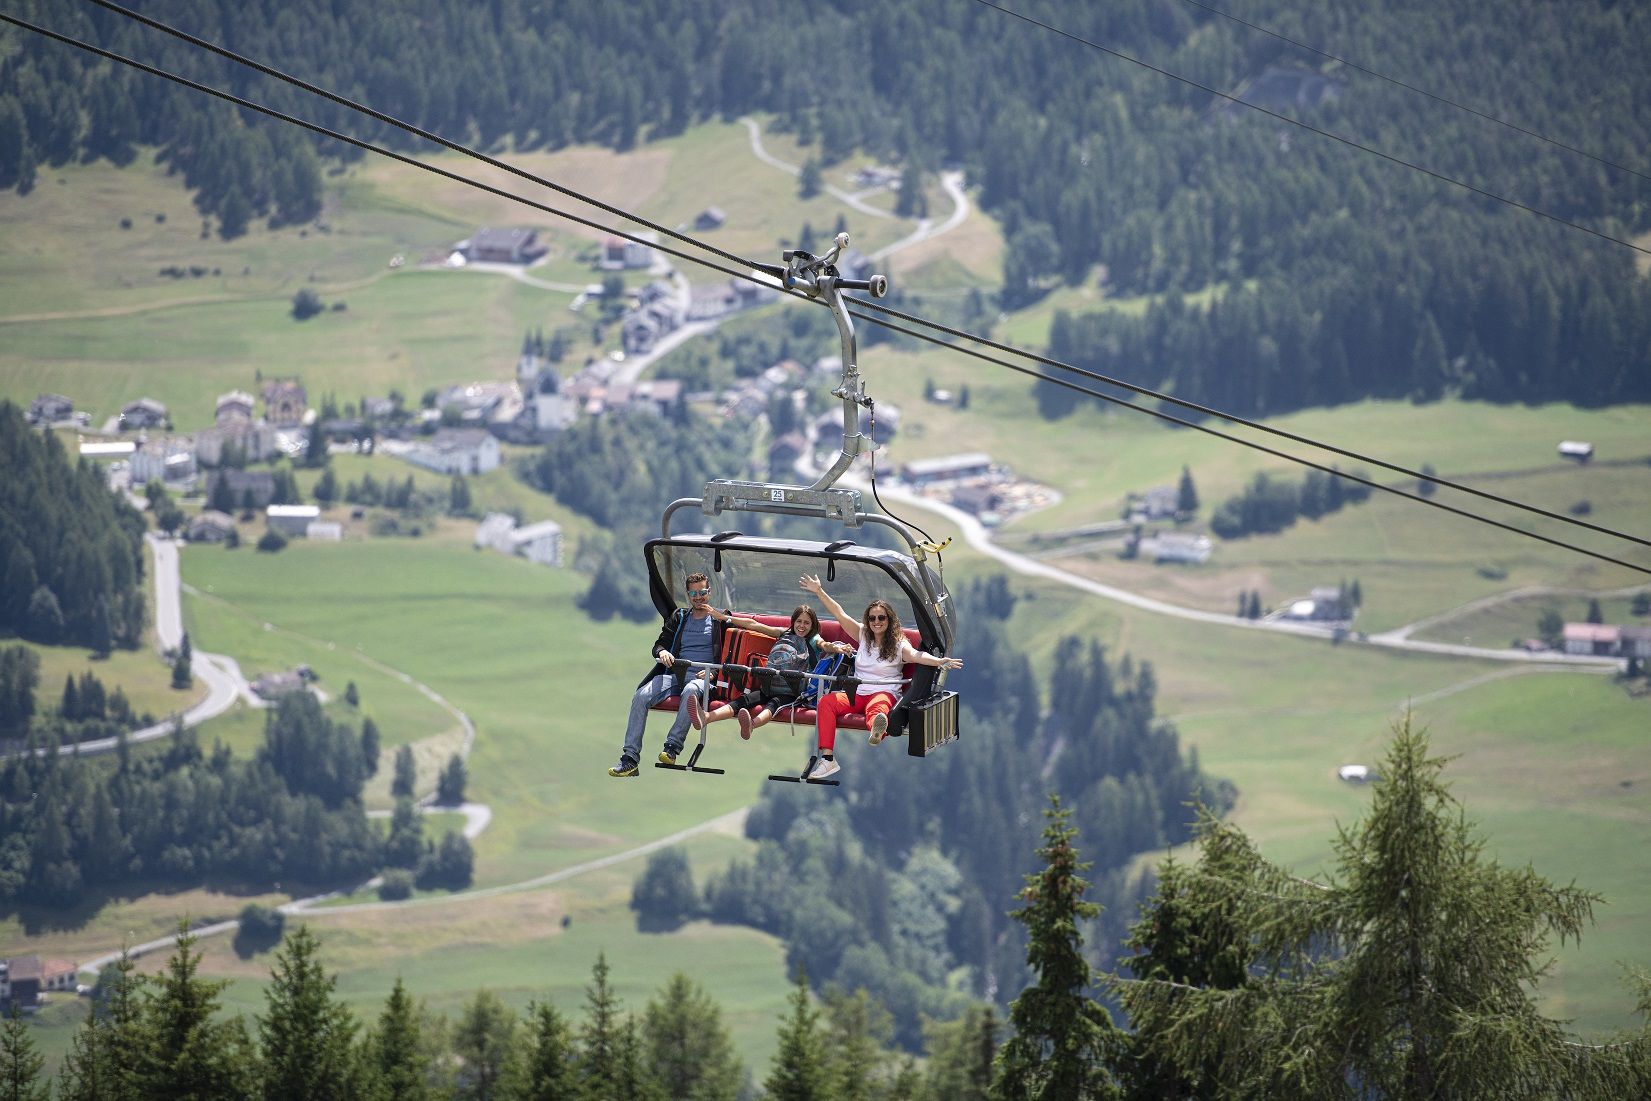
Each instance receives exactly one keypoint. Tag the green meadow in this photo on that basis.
(88, 312)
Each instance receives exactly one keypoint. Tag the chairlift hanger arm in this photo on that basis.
(817, 277)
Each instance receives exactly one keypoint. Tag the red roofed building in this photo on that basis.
(24, 980)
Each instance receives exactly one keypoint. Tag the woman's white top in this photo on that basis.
(876, 675)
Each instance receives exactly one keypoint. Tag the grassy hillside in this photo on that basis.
(88, 313)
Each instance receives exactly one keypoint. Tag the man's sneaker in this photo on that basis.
(667, 756)
(743, 717)
(879, 729)
(696, 711)
(824, 767)
(625, 767)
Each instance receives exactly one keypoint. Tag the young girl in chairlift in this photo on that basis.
(796, 649)
(882, 649)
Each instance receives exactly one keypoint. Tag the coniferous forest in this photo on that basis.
(71, 552)
(76, 828)
(1339, 276)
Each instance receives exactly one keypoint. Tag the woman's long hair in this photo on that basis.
(892, 633)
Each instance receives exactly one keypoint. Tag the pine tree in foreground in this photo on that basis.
(961, 1053)
(20, 1063)
(687, 1050)
(798, 1072)
(858, 1032)
(101, 1062)
(1410, 973)
(396, 1060)
(192, 1055)
(599, 1036)
(307, 1036)
(1064, 1041)
(550, 1074)
(485, 1042)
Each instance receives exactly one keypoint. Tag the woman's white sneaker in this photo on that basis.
(879, 729)
(824, 767)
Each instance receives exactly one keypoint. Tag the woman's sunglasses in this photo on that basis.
(877, 618)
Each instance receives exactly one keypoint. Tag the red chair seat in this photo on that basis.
(741, 643)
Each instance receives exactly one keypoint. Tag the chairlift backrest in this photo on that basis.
(760, 575)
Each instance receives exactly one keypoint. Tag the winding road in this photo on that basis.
(977, 536)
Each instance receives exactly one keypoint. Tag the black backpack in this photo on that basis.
(787, 660)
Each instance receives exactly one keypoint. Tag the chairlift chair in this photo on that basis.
(757, 576)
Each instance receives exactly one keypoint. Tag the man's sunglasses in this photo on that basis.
(699, 592)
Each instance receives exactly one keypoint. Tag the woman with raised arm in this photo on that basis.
(796, 649)
(881, 650)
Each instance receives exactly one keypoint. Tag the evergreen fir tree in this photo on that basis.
(599, 1040)
(370, 745)
(630, 1079)
(458, 496)
(810, 180)
(550, 1074)
(1595, 613)
(687, 1050)
(99, 1066)
(325, 490)
(405, 775)
(20, 1062)
(69, 708)
(1186, 494)
(395, 1052)
(450, 784)
(856, 1046)
(306, 1036)
(1409, 974)
(798, 1072)
(192, 1056)
(1064, 1041)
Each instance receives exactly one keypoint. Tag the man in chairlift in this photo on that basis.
(688, 634)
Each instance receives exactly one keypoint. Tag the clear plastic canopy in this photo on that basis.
(760, 576)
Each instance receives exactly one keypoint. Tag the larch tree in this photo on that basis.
(1409, 973)
(1064, 1042)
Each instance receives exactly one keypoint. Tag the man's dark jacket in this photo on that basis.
(670, 638)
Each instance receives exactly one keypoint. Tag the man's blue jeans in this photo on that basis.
(651, 693)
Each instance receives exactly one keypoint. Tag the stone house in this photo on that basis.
(285, 402)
